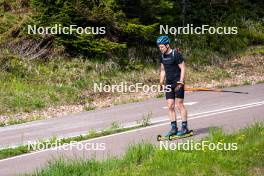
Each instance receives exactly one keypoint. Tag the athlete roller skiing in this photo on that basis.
(172, 71)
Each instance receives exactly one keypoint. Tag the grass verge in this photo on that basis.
(146, 159)
(115, 128)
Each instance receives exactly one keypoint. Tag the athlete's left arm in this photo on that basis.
(182, 67)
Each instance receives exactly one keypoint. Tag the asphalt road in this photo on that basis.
(206, 109)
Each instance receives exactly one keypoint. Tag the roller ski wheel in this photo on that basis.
(163, 138)
(174, 137)
(159, 138)
(168, 135)
(189, 134)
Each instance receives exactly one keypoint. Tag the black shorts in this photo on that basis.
(173, 93)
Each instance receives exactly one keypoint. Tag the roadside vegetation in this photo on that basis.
(44, 76)
(147, 159)
(115, 127)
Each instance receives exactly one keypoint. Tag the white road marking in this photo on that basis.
(187, 104)
(201, 115)
(190, 103)
(165, 118)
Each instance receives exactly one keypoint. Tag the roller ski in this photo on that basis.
(171, 135)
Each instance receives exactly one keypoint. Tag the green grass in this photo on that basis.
(160, 95)
(13, 121)
(145, 119)
(89, 108)
(7, 21)
(147, 159)
(253, 51)
(260, 82)
(28, 86)
(247, 82)
(23, 96)
(114, 128)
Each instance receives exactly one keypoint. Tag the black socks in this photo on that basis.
(184, 125)
(174, 125)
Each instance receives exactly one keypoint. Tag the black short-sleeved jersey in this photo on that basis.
(170, 62)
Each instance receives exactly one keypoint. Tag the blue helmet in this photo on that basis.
(163, 40)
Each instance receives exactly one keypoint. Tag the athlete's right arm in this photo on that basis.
(162, 74)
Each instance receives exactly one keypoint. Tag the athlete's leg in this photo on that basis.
(170, 97)
(172, 115)
(171, 107)
(182, 109)
(184, 129)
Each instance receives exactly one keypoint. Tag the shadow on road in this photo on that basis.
(203, 131)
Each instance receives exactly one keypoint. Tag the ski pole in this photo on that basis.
(213, 90)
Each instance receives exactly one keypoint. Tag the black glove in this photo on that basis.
(179, 85)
